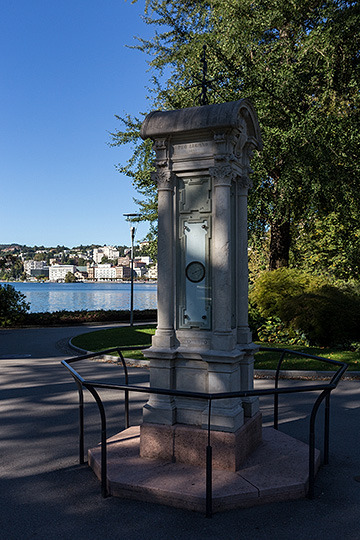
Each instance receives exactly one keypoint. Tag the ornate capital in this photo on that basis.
(163, 177)
(244, 182)
(222, 175)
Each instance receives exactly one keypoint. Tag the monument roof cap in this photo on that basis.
(221, 115)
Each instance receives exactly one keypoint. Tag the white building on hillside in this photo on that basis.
(106, 251)
(105, 271)
(33, 265)
(144, 259)
(140, 271)
(57, 272)
(153, 272)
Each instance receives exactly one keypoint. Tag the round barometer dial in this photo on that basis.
(195, 271)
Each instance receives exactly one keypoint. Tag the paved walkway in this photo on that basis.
(46, 495)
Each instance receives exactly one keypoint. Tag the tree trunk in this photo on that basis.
(279, 244)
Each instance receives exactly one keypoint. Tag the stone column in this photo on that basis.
(222, 338)
(244, 337)
(165, 333)
(243, 333)
(162, 409)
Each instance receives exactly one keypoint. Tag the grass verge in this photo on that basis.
(141, 335)
(268, 360)
(115, 337)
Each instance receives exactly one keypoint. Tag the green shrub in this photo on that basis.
(327, 315)
(272, 288)
(255, 320)
(300, 307)
(274, 330)
(13, 307)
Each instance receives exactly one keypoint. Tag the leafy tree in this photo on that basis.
(70, 278)
(139, 169)
(329, 245)
(42, 277)
(299, 63)
(150, 248)
(11, 267)
(121, 250)
(301, 306)
(12, 305)
(40, 257)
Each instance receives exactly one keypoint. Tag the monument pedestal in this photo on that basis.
(277, 470)
(205, 370)
(187, 444)
(202, 344)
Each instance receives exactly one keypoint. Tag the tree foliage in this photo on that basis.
(12, 305)
(329, 245)
(298, 61)
(139, 169)
(298, 306)
(70, 278)
(11, 267)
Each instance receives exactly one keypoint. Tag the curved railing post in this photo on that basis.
(81, 422)
(97, 398)
(276, 395)
(327, 429)
(314, 411)
(127, 414)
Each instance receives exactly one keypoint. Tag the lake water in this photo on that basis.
(90, 296)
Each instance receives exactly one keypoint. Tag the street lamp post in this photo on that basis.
(130, 218)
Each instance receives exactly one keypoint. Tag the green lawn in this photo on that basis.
(268, 360)
(141, 335)
(115, 337)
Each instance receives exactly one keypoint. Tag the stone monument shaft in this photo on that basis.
(202, 342)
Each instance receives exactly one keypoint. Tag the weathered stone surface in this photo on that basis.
(187, 444)
(202, 342)
(233, 114)
(276, 471)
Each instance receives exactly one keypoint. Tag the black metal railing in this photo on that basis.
(324, 388)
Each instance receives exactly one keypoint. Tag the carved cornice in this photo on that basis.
(219, 138)
(224, 146)
(161, 149)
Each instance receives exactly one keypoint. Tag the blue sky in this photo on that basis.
(65, 71)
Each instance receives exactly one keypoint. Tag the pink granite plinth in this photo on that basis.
(276, 471)
(186, 444)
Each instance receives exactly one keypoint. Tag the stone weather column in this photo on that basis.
(161, 409)
(202, 342)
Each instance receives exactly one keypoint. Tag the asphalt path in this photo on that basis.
(42, 342)
(45, 494)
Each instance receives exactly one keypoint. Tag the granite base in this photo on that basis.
(276, 471)
(186, 444)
